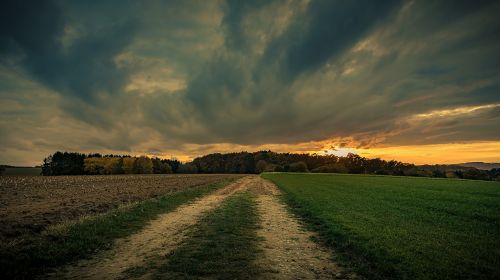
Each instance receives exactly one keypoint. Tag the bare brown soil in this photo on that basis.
(30, 204)
(288, 249)
(159, 238)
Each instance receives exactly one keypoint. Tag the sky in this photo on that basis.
(417, 81)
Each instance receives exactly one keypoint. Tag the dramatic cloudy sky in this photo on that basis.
(412, 80)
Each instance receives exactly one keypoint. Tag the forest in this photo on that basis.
(71, 163)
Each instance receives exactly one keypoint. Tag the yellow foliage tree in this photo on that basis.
(128, 165)
(112, 165)
(93, 165)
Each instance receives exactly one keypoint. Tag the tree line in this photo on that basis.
(65, 163)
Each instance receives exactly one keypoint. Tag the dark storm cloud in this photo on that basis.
(34, 25)
(323, 31)
(34, 33)
(160, 74)
(239, 95)
(327, 29)
(234, 11)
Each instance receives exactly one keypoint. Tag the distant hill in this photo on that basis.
(21, 170)
(444, 167)
(481, 165)
(461, 166)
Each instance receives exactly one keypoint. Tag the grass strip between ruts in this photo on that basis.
(223, 245)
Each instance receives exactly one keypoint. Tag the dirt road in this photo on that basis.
(287, 250)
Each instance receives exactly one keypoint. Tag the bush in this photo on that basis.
(331, 168)
(299, 166)
(261, 166)
(322, 169)
(278, 168)
(187, 168)
(438, 173)
(475, 174)
(273, 168)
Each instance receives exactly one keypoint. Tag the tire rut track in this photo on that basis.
(160, 237)
(288, 251)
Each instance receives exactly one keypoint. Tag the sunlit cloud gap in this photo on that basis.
(453, 112)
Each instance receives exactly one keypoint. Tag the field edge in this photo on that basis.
(352, 257)
(82, 238)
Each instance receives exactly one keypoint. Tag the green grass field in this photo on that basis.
(402, 227)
